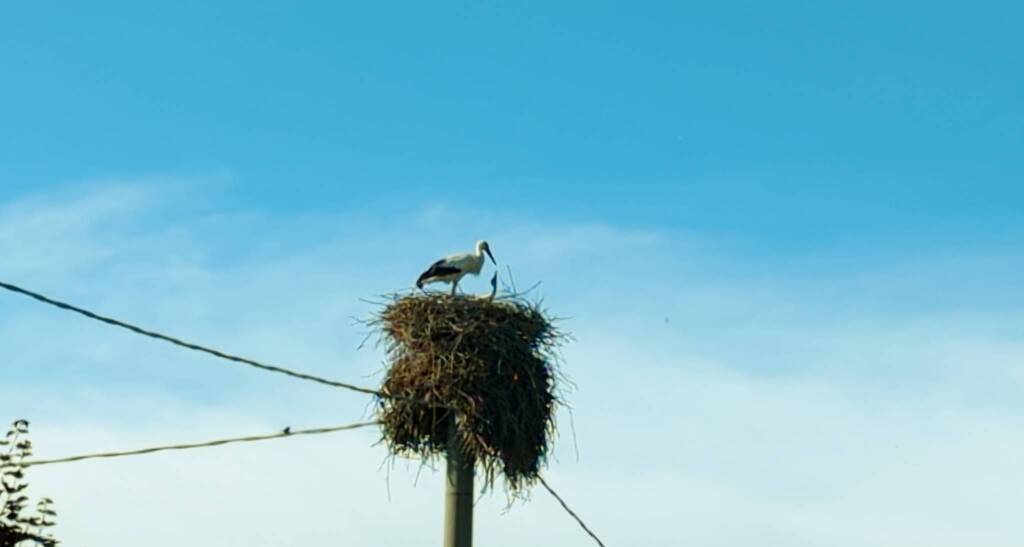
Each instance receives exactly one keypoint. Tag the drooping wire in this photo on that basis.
(236, 359)
(253, 438)
(189, 345)
(570, 511)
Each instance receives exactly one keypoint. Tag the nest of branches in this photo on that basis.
(477, 372)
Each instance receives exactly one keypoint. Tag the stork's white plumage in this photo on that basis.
(452, 268)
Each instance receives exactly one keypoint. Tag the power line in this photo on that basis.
(237, 359)
(288, 432)
(188, 345)
(570, 511)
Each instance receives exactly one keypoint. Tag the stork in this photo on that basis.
(452, 268)
(494, 290)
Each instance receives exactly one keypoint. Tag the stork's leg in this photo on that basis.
(455, 285)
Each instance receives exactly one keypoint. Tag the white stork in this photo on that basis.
(453, 268)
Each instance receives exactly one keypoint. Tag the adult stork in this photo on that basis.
(452, 268)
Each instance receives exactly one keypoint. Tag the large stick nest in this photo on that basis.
(489, 363)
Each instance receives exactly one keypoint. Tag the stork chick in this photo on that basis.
(452, 268)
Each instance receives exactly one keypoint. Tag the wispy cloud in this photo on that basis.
(720, 402)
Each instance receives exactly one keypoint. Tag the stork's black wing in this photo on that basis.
(437, 269)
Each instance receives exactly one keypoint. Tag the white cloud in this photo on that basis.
(714, 407)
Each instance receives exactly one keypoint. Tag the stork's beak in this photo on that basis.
(488, 251)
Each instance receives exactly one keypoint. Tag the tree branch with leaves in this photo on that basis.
(18, 526)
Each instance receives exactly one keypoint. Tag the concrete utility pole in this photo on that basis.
(458, 499)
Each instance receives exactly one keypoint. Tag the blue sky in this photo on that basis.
(745, 118)
(786, 235)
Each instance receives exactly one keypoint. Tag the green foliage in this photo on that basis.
(19, 527)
